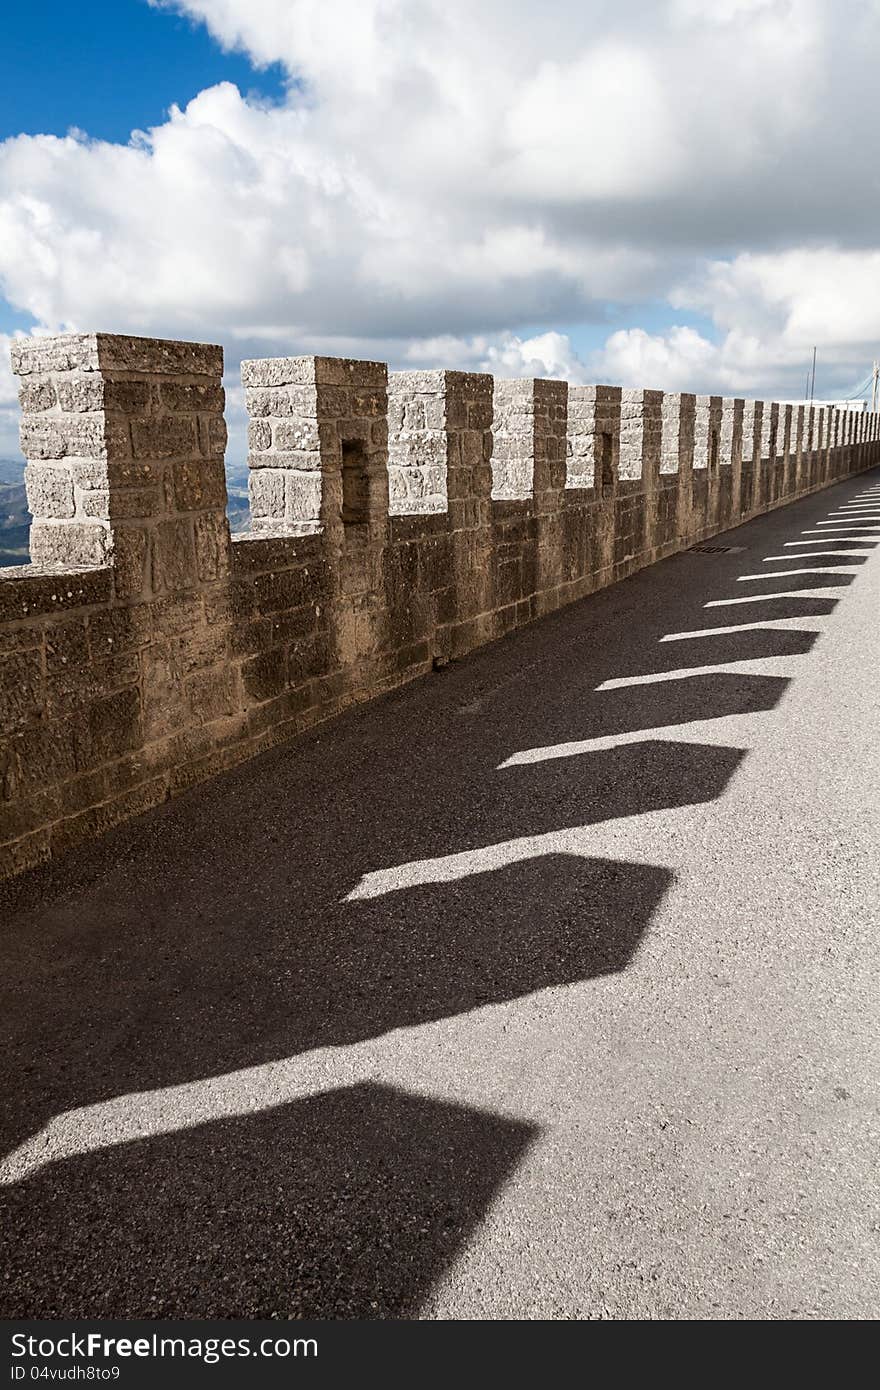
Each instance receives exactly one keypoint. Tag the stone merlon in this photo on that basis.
(399, 520)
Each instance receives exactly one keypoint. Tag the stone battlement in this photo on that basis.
(399, 521)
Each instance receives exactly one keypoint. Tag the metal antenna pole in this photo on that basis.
(813, 380)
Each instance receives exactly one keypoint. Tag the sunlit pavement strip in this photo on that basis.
(757, 666)
(728, 731)
(818, 592)
(783, 574)
(813, 555)
(165, 1110)
(806, 624)
(600, 839)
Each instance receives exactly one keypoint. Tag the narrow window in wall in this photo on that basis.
(606, 469)
(713, 449)
(355, 484)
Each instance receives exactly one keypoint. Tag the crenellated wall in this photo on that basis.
(399, 521)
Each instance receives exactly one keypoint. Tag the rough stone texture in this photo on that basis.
(594, 414)
(528, 431)
(141, 651)
(417, 443)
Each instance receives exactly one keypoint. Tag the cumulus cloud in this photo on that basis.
(441, 173)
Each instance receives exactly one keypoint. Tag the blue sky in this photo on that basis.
(602, 192)
(115, 66)
(110, 67)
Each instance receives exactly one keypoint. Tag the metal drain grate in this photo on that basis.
(716, 549)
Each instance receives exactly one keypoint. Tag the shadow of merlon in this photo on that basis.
(348, 1204)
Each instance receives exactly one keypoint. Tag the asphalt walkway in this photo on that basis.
(545, 987)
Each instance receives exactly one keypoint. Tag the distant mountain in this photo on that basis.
(11, 471)
(237, 506)
(15, 519)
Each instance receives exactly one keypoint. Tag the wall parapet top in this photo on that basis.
(400, 520)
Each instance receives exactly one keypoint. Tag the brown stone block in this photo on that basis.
(163, 689)
(278, 371)
(117, 437)
(130, 503)
(332, 403)
(25, 853)
(347, 371)
(212, 545)
(119, 630)
(211, 694)
(264, 676)
(29, 592)
(21, 639)
(204, 646)
(118, 352)
(189, 774)
(127, 397)
(197, 484)
(191, 398)
(88, 789)
(70, 687)
(21, 688)
(279, 719)
(20, 818)
(212, 436)
(39, 756)
(255, 555)
(290, 627)
(113, 725)
(88, 825)
(178, 614)
(164, 436)
(312, 656)
(67, 644)
(243, 599)
(173, 558)
(247, 638)
(369, 403)
(130, 561)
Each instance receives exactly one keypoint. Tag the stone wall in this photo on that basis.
(399, 521)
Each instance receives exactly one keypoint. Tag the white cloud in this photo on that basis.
(817, 294)
(443, 171)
